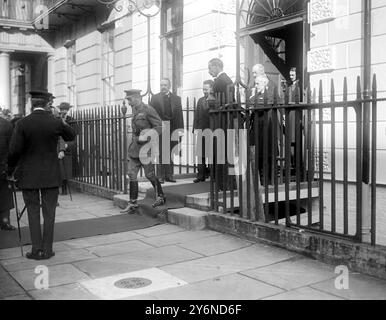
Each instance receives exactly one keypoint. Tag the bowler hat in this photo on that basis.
(64, 106)
(133, 92)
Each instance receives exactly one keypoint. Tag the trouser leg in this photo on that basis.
(49, 201)
(32, 202)
(150, 175)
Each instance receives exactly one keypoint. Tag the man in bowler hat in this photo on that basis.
(33, 149)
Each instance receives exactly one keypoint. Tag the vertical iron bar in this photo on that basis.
(359, 110)
(310, 163)
(321, 159)
(125, 149)
(297, 162)
(120, 145)
(333, 157)
(345, 159)
(374, 165)
(287, 167)
(187, 138)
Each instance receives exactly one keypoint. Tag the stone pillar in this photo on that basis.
(5, 80)
(51, 72)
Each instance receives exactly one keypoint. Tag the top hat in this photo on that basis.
(133, 92)
(41, 94)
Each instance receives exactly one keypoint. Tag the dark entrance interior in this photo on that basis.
(285, 48)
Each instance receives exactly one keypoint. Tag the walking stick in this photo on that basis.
(19, 214)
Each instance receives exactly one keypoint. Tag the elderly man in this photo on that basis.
(6, 200)
(33, 149)
(262, 86)
(144, 119)
(169, 108)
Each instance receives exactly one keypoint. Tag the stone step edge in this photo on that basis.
(187, 218)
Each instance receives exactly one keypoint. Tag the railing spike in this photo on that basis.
(359, 88)
(321, 91)
(374, 86)
(332, 91)
(345, 90)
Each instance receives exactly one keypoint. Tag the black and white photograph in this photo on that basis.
(209, 153)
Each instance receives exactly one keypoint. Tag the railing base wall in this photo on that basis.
(364, 258)
(93, 190)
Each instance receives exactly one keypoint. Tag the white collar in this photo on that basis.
(220, 74)
(39, 109)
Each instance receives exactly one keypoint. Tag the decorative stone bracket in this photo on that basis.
(321, 60)
(322, 10)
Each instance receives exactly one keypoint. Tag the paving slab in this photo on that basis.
(361, 287)
(215, 245)
(144, 259)
(9, 287)
(64, 257)
(305, 293)
(293, 274)
(102, 240)
(136, 283)
(12, 253)
(72, 291)
(160, 230)
(179, 237)
(119, 248)
(228, 263)
(58, 275)
(230, 287)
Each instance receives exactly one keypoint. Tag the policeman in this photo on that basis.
(144, 118)
(33, 149)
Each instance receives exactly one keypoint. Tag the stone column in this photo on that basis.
(5, 80)
(51, 72)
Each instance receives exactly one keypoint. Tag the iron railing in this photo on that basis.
(287, 177)
(102, 142)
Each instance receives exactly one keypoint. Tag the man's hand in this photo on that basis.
(61, 155)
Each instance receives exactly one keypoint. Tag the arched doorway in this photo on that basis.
(275, 33)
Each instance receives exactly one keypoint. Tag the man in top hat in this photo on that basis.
(169, 108)
(144, 119)
(65, 150)
(33, 149)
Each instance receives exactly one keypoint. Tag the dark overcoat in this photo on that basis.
(6, 200)
(34, 148)
(177, 119)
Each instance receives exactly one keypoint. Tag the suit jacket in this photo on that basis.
(34, 149)
(201, 115)
(6, 201)
(177, 119)
(6, 129)
(223, 85)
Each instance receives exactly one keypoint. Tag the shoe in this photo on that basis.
(159, 202)
(47, 255)
(170, 180)
(34, 255)
(7, 227)
(198, 180)
(131, 208)
(161, 181)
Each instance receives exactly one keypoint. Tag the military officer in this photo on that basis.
(33, 149)
(144, 118)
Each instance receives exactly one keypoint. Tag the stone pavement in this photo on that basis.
(178, 264)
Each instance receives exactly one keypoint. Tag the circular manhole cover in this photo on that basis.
(133, 283)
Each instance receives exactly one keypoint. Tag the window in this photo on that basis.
(108, 92)
(172, 43)
(71, 75)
